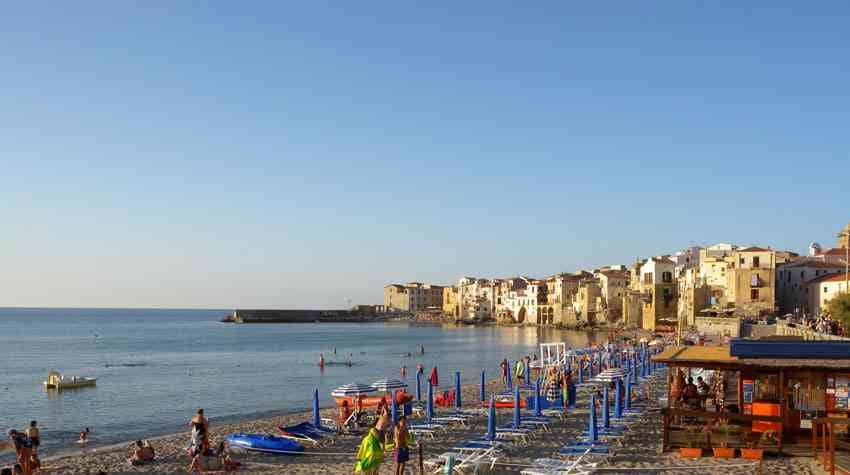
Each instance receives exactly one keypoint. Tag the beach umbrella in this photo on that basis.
(388, 384)
(508, 380)
(483, 396)
(527, 373)
(618, 399)
(606, 418)
(517, 412)
(407, 409)
(418, 386)
(537, 409)
(580, 373)
(571, 396)
(353, 389)
(627, 402)
(429, 405)
(457, 390)
(317, 421)
(434, 379)
(491, 419)
(394, 408)
(591, 423)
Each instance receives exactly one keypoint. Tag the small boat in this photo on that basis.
(56, 380)
(264, 443)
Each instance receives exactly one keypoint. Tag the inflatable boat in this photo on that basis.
(264, 443)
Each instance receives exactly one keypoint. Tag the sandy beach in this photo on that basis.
(638, 452)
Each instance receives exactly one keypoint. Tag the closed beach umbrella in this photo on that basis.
(606, 418)
(537, 409)
(527, 373)
(388, 384)
(434, 379)
(591, 423)
(580, 374)
(508, 381)
(517, 412)
(394, 408)
(429, 405)
(457, 390)
(353, 389)
(491, 419)
(482, 386)
(317, 421)
(628, 399)
(618, 399)
(418, 386)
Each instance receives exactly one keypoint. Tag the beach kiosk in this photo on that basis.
(794, 390)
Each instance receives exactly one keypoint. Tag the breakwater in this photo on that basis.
(300, 316)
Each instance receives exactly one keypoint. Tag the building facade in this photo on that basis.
(823, 289)
(451, 302)
(751, 281)
(658, 293)
(413, 297)
(792, 283)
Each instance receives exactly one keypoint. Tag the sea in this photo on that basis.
(155, 368)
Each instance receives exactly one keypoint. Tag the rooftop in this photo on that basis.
(840, 277)
(753, 249)
(720, 357)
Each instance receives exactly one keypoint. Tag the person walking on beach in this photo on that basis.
(402, 450)
(519, 370)
(505, 372)
(33, 434)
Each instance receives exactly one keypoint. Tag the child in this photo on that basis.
(402, 450)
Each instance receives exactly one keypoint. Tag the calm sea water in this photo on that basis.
(154, 368)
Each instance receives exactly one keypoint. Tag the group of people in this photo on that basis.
(370, 453)
(26, 450)
(691, 394)
(203, 457)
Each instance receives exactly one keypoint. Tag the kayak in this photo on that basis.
(401, 398)
(264, 443)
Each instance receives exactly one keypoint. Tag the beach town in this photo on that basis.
(722, 359)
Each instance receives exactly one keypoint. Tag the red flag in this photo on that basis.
(433, 378)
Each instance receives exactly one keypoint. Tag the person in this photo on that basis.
(504, 367)
(227, 462)
(343, 415)
(33, 434)
(420, 368)
(23, 449)
(142, 452)
(553, 382)
(702, 390)
(690, 395)
(402, 450)
(421, 349)
(200, 432)
(382, 417)
(321, 361)
(519, 370)
(370, 453)
(84, 436)
(403, 370)
(35, 463)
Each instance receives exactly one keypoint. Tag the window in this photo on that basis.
(825, 289)
(803, 274)
(647, 278)
(756, 261)
(667, 277)
(754, 294)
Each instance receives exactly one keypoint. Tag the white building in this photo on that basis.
(823, 289)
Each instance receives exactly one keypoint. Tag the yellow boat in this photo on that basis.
(56, 380)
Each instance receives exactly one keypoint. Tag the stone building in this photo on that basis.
(658, 293)
(751, 281)
(792, 283)
(614, 284)
(451, 302)
(412, 297)
(823, 289)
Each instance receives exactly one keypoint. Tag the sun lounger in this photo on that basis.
(478, 444)
(577, 450)
(423, 433)
(463, 460)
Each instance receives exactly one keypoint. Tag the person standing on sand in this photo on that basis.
(505, 372)
(200, 432)
(33, 434)
(23, 449)
(402, 450)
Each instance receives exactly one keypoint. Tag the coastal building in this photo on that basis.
(658, 293)
(476, 298)
(686, 258)
(751, 281)
(713, 264)
(588, 304)
(451, 302)
(613, 283)
(792, 283)
(694, 295)
(823, 289)
(412, 297)
(560, 294)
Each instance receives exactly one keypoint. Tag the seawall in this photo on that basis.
(298, 316)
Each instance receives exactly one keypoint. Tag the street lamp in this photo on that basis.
(845, 234)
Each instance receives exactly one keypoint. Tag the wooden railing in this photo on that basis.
(823, 432)
(669, 412)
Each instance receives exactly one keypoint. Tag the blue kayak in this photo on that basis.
(264, 443)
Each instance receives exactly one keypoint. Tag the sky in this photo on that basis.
(304, 154)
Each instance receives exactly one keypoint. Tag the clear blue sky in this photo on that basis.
(251, 154)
